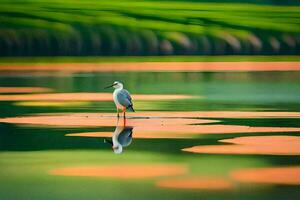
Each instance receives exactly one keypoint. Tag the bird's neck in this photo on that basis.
(118, 89)
(115, 138)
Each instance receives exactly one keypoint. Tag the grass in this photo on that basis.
(146, 27)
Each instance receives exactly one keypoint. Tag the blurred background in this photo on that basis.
(149, 27)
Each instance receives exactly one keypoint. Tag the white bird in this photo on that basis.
(121, 98)
(122, 137)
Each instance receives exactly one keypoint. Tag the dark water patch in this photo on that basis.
(259, 122)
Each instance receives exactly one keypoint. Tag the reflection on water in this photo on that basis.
(80, 96)
(184, 125)
(285, 175)
(157, 66)
(24, 90)
(123, 171)
(196, 183)
(257, 113)
(121, 137)
(261, 145)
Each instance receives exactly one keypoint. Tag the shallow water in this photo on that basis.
(193, 133)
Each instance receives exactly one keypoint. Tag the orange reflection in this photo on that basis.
(122, 171)
(94, 119)
(270, 145)
(145, 127)
(157, 66)
(196, 183)
(169, 130)
(34, 73)
(223, 114)
(137, 134)
(24, 89)
(51, 103)
(289, 175)
(87, 97)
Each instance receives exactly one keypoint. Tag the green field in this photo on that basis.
(147, 27)
(112, 59)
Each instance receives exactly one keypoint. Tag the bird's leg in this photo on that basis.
(118, 115)
(124, 124)
(124, 111)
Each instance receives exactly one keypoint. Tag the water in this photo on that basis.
(54, 149)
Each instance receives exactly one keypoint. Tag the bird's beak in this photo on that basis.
(109, 86)
(108, 141)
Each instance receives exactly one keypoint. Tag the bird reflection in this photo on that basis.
(122, 137)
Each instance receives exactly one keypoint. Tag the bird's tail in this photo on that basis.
(131, 108)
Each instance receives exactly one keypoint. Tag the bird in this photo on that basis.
(122, 98)
(122, 137)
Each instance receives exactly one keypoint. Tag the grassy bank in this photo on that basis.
(111, 59)
(146, 27)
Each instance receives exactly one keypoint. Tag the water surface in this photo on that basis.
(193, 133)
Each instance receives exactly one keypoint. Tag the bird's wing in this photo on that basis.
(127, 94)
(125, 137)
(124, 98)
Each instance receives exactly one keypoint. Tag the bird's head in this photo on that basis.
(117, 149)
(116, 85)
